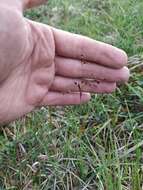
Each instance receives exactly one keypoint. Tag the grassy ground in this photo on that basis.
(98, 146)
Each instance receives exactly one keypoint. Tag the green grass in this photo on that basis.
(97, 146)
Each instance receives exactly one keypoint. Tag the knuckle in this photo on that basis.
(82, 46)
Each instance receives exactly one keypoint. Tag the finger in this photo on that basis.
(76, 69)
(62, 84)
(33, 3)
(80, 47)
(60, 99)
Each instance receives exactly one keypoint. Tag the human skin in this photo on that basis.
(44, 66)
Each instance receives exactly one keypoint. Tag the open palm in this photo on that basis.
(41, 65)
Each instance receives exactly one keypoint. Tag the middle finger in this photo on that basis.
(80, 69)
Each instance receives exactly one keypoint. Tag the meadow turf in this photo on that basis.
(97, 146)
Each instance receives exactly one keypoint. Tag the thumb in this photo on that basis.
(33, 3)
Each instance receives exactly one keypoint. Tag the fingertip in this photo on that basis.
(114, 87)
(121, 58)
(126, 74)
(110, 88)
(85, 97)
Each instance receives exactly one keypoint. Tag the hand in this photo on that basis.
(43, 66)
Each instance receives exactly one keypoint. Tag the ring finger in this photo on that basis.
(63, 84)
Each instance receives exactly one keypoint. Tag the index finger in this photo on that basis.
(79, 47)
